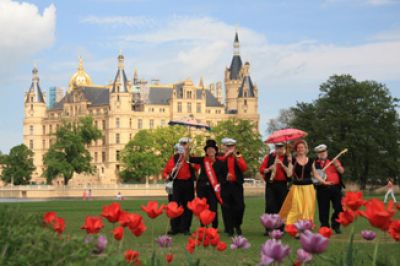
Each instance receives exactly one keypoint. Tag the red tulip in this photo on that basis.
(291, 229)
(58, 225)
(206, 217)
(169, 257)
(353, 200)
(394, 230)
(152, 209)
(131, 256)
(197, 205)
(131, 220)
(346, 217)
(173, 210)
(325, 231)
(377, 214)
(139, 230)
(118, 232)
(221, 246)
(49, 217)
(398, 206)
(111, 212)
(191, 245)
(93, 224)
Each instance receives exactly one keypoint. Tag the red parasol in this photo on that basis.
(285, 135)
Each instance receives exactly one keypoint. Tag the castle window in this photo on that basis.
(117, 155)
(245, 94)
(151, 123)
(30, 130)
(130, 122)
(189, 107)
(44, 144)
(118, 97)
(198, 107)
(104, 140)
(179, 107)
(245, 102)
(31, 99)
(103, 158)
(130, 136)
(96, 124)
(117, 138)
(189, 94)
(51, 129)
(102, 170)
(117, 122)
(140, 123)
(95, 157)
(31, 144)
(103, 124)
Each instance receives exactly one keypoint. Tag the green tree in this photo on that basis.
(68, 155)
(18, 166)
(360, 116)
(141, 157)
(249, 142)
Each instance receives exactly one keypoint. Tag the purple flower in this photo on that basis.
(273, 251)
(240, 242)
(368, 235)
(276, 234)
(313, 243)
(271, 221)
(101, 244)
(165, 241)
(303, 225)
(303, 256)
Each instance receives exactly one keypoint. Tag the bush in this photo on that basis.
(25, 241)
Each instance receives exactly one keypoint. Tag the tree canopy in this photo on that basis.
(68, 155)
(358, 115)
(18, 165)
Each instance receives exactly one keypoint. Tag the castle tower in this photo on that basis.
(247, 98)
(233, 78)
(34, 130)
(119, 125)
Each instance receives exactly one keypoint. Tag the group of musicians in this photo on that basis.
(218, 177)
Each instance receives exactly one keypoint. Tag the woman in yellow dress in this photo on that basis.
(300, 201)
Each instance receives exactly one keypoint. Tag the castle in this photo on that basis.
(125, 106)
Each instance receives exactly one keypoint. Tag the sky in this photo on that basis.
(292, 46)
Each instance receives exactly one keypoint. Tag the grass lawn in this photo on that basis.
(74, 212)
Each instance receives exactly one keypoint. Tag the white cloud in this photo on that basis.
(129, 21)
(380, 2)
(389, 35)
(24, 31)
(194, 47)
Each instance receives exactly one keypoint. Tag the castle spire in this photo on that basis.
(120, 83)
(236, 45)
(35, 88)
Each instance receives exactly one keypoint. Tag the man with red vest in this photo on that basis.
(331, 193)
(276, 168)
(182, 174)
(232, 187)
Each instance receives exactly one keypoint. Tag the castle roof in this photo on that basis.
(246, 83)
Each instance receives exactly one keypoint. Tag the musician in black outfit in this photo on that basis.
(212, 173)
(331, 193)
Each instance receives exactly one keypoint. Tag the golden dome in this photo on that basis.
(80, 78)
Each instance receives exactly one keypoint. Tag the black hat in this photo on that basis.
(211, 143)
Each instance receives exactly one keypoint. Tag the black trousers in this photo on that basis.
(183, 192)
(204, 190)
(233, 207)
(275, 194)
(326, 195)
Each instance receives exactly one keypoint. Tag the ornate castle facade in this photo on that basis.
(125, 106)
